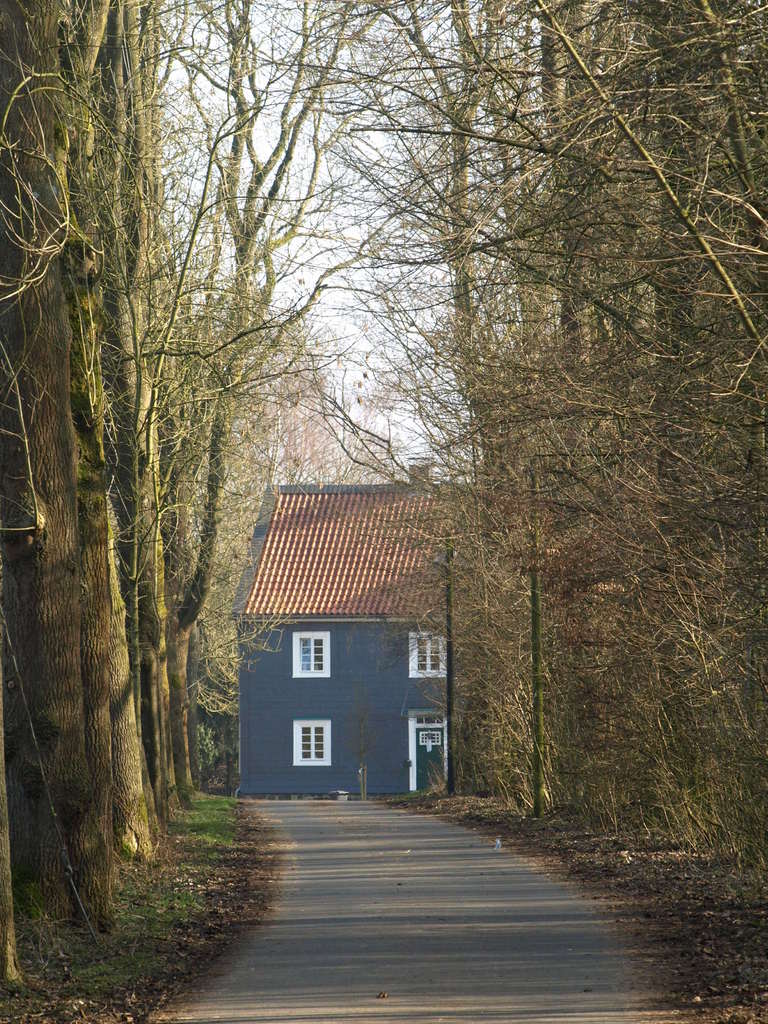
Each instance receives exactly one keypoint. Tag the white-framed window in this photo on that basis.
(430, 738)
(311, 741)
(312, 655)
(426, 655)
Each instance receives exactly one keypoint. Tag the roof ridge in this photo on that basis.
(395, 488)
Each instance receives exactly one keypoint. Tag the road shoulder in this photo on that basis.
(696, 926)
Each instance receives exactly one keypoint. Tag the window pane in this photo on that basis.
(434, 655)
(306, 742)
(319, 742)
(421, 654)
(306, 654)
(318, 663)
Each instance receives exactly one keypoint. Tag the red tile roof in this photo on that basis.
(347, 551)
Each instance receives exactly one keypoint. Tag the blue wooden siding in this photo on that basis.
(368, 689)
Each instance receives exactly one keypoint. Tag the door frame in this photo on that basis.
(435, 721)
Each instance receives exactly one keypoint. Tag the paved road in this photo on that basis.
(453, 931)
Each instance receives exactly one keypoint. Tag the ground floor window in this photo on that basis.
(312, 741)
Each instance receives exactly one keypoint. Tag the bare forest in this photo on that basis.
(246, 243)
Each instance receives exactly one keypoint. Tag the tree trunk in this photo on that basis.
(132, 814)
(155, 693)
(9, 966)
(193, 668)
(129, 377)
(187, 597)
(178, 653)
(88, 416)
(157, 631)
(50, 789)
(86, 313)
(151, 730)
(134, 665)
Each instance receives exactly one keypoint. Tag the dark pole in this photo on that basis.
(449, 781)
(537, 674)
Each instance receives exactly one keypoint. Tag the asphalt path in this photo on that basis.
(396, 918)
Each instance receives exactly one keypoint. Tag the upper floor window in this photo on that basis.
(426, 655)
(312, 654)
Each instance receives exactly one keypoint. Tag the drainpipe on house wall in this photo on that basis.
(449, 780)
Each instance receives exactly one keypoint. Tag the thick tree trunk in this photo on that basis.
(9, 965)
(47, 764)
(132, 815)
(86, 313)
(87, 413)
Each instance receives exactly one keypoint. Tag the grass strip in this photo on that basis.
(169, 914)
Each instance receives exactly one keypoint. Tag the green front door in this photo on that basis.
(430, 767)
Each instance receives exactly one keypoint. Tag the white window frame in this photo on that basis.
(311, 723)
(312, 636)
(413, 655)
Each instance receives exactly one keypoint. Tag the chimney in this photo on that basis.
(420, 472)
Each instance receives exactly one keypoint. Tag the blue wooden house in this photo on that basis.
(338, 671)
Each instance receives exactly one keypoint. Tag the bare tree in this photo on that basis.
(271, 188)
(611, 239)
